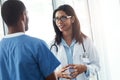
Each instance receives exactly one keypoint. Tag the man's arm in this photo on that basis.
(51, 77)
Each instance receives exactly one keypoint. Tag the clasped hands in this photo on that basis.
(71, 71)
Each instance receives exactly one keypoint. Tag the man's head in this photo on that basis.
(12, 11)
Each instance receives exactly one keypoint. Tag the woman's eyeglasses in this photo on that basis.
(63, 18)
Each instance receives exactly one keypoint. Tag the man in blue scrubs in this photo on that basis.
(23, 57)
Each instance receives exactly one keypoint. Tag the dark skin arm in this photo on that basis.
(51, 77)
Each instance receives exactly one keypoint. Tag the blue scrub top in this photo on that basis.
(25, 58)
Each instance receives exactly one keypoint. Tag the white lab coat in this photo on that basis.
(92, 61)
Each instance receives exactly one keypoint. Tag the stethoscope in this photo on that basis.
(54, 45)
(84, 55)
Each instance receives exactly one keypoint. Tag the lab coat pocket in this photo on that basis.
(84, 58)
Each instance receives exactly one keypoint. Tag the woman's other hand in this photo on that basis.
(77, 69)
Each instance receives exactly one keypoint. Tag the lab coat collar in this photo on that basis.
(65, 44)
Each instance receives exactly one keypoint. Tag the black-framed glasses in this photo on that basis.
(63, 18)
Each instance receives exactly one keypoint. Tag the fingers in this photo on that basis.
(64, 69)
(74, 73)
(71, 71)
(66, 75)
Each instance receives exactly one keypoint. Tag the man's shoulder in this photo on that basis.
(33, 40)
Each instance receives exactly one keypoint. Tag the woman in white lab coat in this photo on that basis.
(77, 54)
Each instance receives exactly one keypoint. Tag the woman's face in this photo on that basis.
(63, 21)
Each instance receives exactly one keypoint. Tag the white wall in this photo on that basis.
(105, 17)
(40, 19)
(104, 21)
(112, 31)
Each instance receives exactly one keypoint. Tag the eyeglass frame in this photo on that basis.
(63, 18)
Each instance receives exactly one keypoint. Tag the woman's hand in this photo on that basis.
(77, 69)
(63, 73)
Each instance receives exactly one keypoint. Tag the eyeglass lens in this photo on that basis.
(63, 18)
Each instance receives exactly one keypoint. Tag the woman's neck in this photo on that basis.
(67, 36)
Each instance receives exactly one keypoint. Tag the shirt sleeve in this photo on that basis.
(93, 66)
(47, 61)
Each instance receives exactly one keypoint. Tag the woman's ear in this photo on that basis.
(72, 19)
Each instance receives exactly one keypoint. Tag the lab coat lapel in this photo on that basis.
(62, 55)
(77, 52)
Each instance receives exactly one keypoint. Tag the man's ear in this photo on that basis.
(24, 16)
(22, 20)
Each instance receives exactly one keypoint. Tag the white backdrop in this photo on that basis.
(99, 20)
(105, 17)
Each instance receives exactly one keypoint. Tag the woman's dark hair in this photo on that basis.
(77, 34)
(11, 11)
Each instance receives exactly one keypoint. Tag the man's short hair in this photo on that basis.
(11, 11)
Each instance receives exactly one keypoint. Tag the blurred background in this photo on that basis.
(99, 19)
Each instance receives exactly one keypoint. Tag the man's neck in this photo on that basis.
(15, 29)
